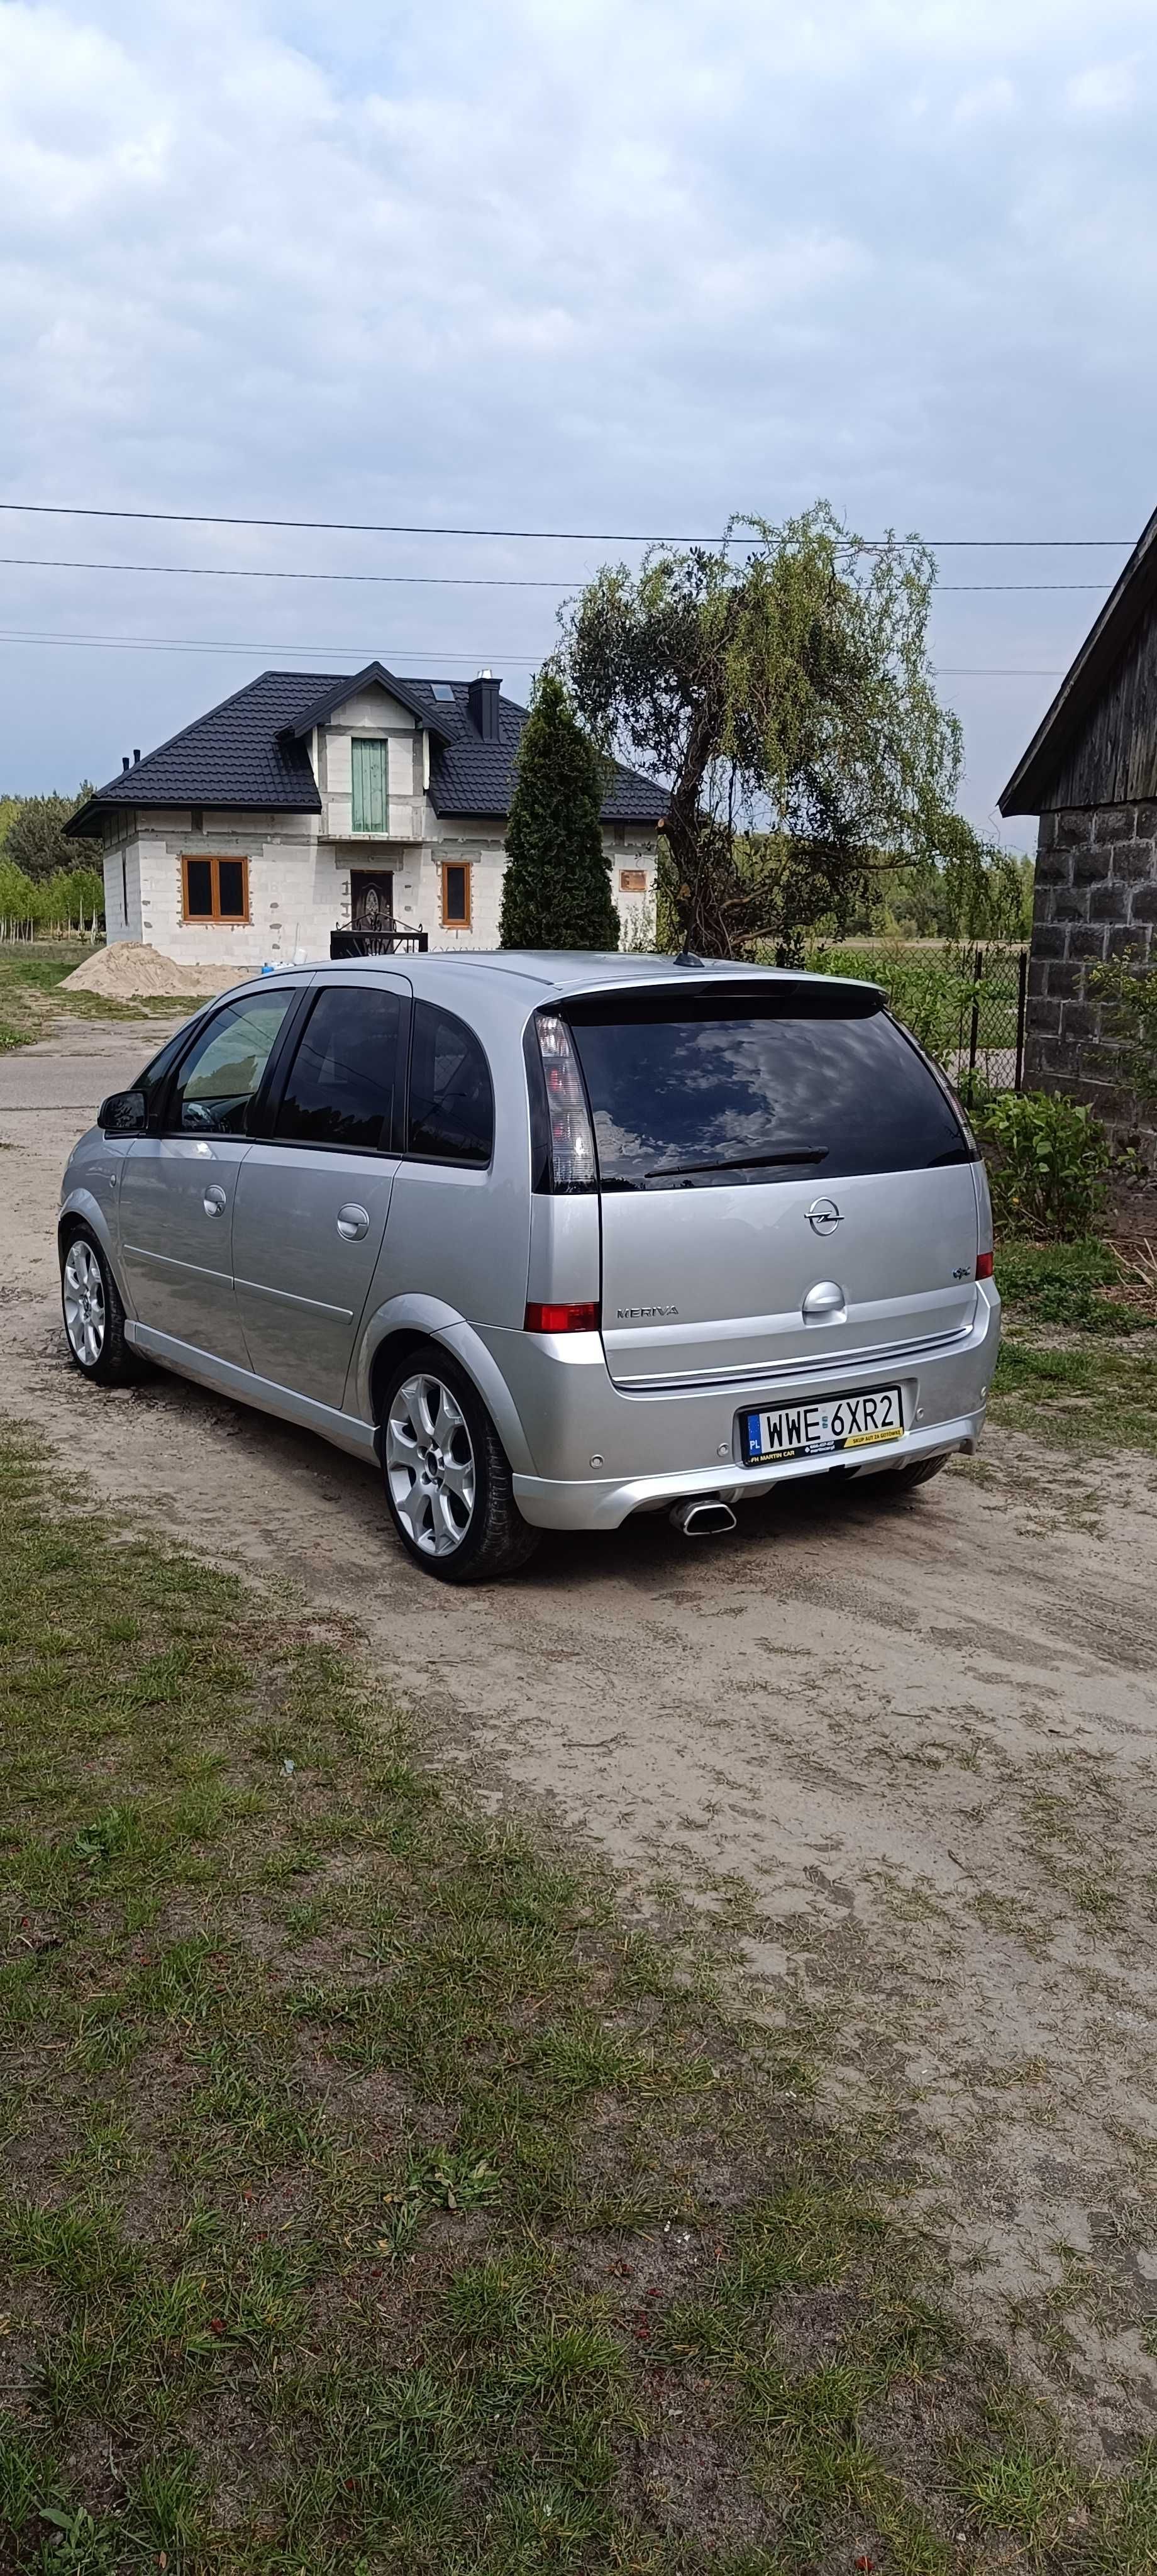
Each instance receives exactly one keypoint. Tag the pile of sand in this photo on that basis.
(130, 969)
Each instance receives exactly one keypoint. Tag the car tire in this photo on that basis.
(447, 1477)
(892, 1482)
(94, 1317)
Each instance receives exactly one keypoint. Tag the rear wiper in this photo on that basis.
(742, 1162)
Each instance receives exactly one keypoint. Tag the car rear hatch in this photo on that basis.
(784, 1181)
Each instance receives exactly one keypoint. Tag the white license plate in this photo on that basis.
(832, 1422)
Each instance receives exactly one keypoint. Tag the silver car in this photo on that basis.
(554, 1239)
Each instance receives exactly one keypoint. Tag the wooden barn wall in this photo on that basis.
(1114, 759)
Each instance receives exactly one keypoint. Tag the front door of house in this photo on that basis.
(371, 898)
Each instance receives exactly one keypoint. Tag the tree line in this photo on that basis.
(41, 885)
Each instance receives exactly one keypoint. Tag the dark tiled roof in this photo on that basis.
(336, 692)
(246, 752)
(239, 754)
(470, 776)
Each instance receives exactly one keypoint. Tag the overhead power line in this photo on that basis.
(428, 580)
(257, 572)
(271, 653)
(548, 536)
(320, 653)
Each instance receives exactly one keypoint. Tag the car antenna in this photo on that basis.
(687, 957)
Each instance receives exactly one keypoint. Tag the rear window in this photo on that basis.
(776, 1083)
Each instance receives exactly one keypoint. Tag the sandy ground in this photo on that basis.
(906, 1754)
(130, 969)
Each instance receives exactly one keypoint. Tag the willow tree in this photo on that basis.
(781, 688)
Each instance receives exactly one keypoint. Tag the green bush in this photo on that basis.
(931, 994)
(1066, 1283)
(934, 991)
(1129, 988)
(1048, 1163)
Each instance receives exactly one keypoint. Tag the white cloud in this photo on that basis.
(1103, 90)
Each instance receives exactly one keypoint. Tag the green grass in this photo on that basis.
(30, 996)
(376, 2195)
(1059, 1375)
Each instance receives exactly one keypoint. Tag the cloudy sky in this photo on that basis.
(617, 266)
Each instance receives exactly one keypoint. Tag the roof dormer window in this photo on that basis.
(370, 783)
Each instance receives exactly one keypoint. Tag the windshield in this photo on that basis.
(757, 1086)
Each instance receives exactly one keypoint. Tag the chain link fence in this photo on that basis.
(965, 1004)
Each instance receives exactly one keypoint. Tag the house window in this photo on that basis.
(370, 784)
(215, 889)
(456, 903)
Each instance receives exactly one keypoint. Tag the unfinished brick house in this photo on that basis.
(1090, 772)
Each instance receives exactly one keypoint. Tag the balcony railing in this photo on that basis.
(386, 939)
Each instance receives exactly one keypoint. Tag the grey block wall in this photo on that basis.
(1096, 898)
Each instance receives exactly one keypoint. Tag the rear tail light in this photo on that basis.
(564, 1138)
(561, 1319)
(984, 1261)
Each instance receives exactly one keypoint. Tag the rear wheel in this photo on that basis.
(94, 1318)
(447, 1479)
(890, 1482)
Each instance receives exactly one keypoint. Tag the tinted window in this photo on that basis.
(198, 889)
(343, 1080)
(785, 1085)
(221, 1075)
(154, 1074)
(451, 1101)
(231, 879)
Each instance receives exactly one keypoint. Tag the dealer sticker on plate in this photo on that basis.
(814, 1430)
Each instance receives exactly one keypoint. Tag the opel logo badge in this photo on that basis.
(823, 1216)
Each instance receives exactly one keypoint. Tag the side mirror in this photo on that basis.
(123, 1113)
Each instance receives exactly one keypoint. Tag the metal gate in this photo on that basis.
(990, 1052)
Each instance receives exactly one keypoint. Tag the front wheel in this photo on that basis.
(94, 1318)
(447, 1479)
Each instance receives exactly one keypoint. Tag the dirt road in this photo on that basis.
(906, 1753)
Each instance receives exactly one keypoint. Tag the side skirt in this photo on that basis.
(225, 1378)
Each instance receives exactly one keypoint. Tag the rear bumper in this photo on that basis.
(602, 1454)
(605, 1506)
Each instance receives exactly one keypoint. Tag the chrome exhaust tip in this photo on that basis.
(708, 1519)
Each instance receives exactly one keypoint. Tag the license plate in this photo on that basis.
(833, 1422)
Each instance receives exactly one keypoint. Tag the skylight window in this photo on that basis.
(442, 690)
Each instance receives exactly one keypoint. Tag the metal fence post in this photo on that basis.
(974, 1023)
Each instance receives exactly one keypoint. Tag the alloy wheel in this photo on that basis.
(84, 1308)
(430, 1465)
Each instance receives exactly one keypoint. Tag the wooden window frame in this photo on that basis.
(213, 860)
(364, 742)
(454, 921)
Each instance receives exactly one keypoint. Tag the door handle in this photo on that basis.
(214, 1200)
(352, 1223)
(825, 1303)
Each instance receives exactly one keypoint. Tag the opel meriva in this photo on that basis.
(554, 1239)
